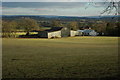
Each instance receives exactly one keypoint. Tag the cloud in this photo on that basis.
(75, 11)
(52, 8)
(43, 4)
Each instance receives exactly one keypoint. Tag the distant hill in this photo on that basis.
(67, 18)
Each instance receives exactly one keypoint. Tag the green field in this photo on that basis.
(74, 57)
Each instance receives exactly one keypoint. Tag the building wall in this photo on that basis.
(85, 34)
(65, 32)
(93, 33)
(79, 33)
(89, 33)
(73, 33)
(56, 34)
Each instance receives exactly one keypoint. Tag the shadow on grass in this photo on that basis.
(104, 78)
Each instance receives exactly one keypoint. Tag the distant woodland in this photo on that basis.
(105, 26)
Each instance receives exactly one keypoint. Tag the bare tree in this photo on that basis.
(9, 28)
(73, 25)
(28, 24)
(111, 6)
(56, 23)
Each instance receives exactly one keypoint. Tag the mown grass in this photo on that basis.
(75, 57)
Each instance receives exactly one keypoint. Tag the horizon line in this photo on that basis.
(53, 15)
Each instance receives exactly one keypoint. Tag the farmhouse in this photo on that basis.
(55, 32)
(88, 32)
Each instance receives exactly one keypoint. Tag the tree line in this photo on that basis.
(108, 28)
(10, 27)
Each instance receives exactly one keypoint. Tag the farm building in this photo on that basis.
(75, 33)
(55, 32)
(88, 32)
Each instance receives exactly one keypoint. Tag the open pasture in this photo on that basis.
(73, 57)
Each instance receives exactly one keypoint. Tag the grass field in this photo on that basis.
(75, 57)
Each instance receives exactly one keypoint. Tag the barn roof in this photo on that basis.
(54, 29)
(86, 30)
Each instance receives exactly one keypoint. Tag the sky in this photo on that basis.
(50, 7)
(56, 0)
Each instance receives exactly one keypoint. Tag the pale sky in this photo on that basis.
(53, 8)
(57, 0)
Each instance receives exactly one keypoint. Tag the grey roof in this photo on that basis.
(86, 30)
(80, 30)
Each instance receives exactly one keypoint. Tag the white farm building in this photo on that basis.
(75, 33)
(88, 32)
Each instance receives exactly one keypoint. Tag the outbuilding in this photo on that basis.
(75, 33)
(88, 32)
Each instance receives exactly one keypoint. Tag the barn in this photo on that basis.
(55, 32)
